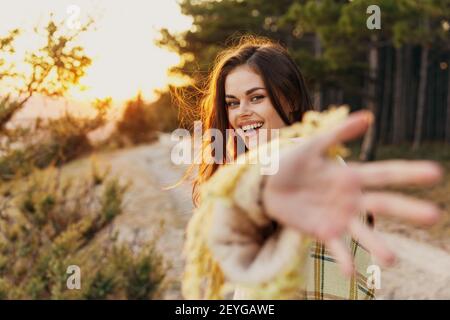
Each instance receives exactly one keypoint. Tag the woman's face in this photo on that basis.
(248, 105)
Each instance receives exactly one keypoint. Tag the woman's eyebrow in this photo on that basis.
(249, 91)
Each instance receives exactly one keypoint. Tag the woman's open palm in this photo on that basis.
(323, 199)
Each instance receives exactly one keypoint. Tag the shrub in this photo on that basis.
(55, 142)
(141, 121)
(52, 222)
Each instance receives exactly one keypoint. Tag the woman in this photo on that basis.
(304, 222)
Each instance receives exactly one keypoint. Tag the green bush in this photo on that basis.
(15, 163)
(53, 222)
(141, 121)
(55, 142)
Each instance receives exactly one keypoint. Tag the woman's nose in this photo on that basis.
(245, 107)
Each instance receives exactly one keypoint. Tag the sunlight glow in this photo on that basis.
(121, 44)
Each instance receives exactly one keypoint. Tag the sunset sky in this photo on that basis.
(125, 58)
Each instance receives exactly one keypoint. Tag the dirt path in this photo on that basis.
(422, 271)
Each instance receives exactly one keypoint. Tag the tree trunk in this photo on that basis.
(386, 107)
(369, 144)
(398, 123)
(339, 97)
(409, 93)
(317, 87)
(421, 97)
(447, 125)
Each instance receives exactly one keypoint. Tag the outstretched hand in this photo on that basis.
(323, 199)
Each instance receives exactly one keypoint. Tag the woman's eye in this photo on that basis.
(232, 103)
(257, 98)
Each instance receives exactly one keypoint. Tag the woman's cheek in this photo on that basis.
(232, 119)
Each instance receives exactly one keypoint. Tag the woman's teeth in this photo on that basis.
(253, 126)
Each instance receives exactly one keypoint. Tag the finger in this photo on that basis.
(397, 173)
(342, 255)
(372, 242)
(353, 127)
(404, 207)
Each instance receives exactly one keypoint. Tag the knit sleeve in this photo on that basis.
(249, 246)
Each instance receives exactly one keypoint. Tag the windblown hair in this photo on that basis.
(283, 81)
